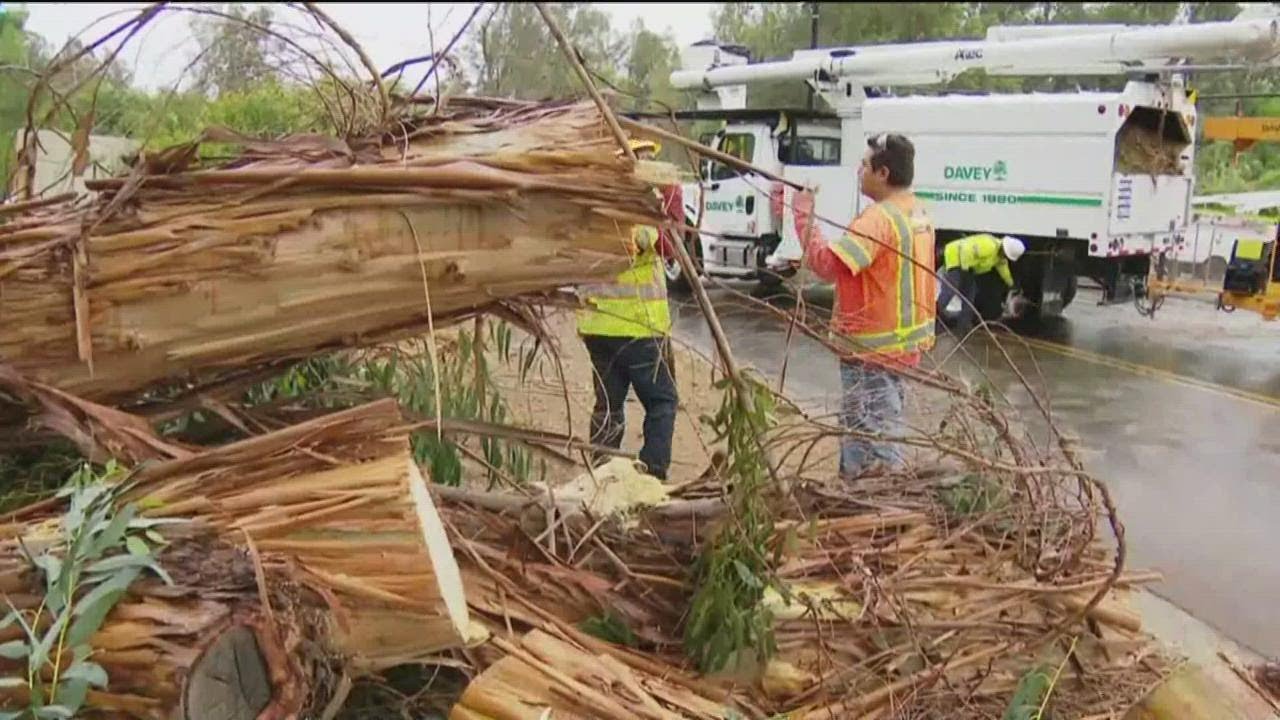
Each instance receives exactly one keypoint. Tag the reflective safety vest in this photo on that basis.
(978, 254)
(635, 304)
(888, 306)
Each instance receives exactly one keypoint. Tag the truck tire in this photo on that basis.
(1069, 292)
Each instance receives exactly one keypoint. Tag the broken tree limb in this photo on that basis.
(207, 271)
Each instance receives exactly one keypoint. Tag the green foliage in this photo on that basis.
(31, 474)
(972, 495)
(502, 44)
(1031, 695)
(649, 63)
(14, 84)
(467, 391)
(236, 54)
(610, 628)
(726, 617)
(101, 552)
(267, 109)
(1220, 169)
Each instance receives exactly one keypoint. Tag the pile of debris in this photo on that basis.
(317, 554)
(1142, 150)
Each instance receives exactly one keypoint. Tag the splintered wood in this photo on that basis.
(320, 541)
(888, 610)
(542, 676)
(176, 273)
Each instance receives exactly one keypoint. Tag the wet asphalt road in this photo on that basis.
(1180, 414)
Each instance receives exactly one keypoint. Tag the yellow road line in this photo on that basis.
(1150, 372)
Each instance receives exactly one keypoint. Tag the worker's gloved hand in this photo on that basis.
(802, 211)
(1014, 304)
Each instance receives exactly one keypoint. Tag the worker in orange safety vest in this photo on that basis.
(882, 267)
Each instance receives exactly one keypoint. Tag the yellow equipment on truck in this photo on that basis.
(1252, 278)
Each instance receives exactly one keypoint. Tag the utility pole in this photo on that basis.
(813, 40)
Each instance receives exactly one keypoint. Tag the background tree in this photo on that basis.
(15, 81)
(651, 58)
(234, 55)
(512, 54)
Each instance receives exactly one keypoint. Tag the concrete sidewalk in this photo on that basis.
(1183, 634)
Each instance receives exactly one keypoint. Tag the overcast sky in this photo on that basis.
(389, 32)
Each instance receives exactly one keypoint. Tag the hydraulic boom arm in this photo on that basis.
(1074, 52)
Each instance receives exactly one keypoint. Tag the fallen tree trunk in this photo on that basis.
(179, 275)
(323, 557)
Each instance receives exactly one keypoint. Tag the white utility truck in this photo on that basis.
(1094, 182)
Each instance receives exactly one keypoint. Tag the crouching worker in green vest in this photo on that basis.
(627, 333)
(968, 258)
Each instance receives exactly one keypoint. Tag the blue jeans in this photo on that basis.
(620, 364)
(966, 285)
(872, 403)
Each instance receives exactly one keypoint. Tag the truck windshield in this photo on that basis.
(808, 150)
(739, 145)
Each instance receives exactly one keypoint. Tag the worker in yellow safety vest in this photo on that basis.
(968, 258)
(626, 329)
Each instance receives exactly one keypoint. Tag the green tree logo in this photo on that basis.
(1000, 171)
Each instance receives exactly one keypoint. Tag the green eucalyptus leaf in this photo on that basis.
(118, 582)
(72, 693)
(90, 619)
(89, 672)
(138, 546)
(119, 562)
(14, 650)
(111, 535)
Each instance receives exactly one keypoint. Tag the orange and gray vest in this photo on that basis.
(634, 305)
(887, 305)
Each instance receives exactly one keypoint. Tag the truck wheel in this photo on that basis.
(1069, 292)
(772, 283)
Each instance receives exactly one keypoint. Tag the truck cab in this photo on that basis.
(747, 234)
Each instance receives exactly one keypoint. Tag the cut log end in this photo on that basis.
(230, 681)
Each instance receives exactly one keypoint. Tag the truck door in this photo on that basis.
(816, 162)
(736, 205)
